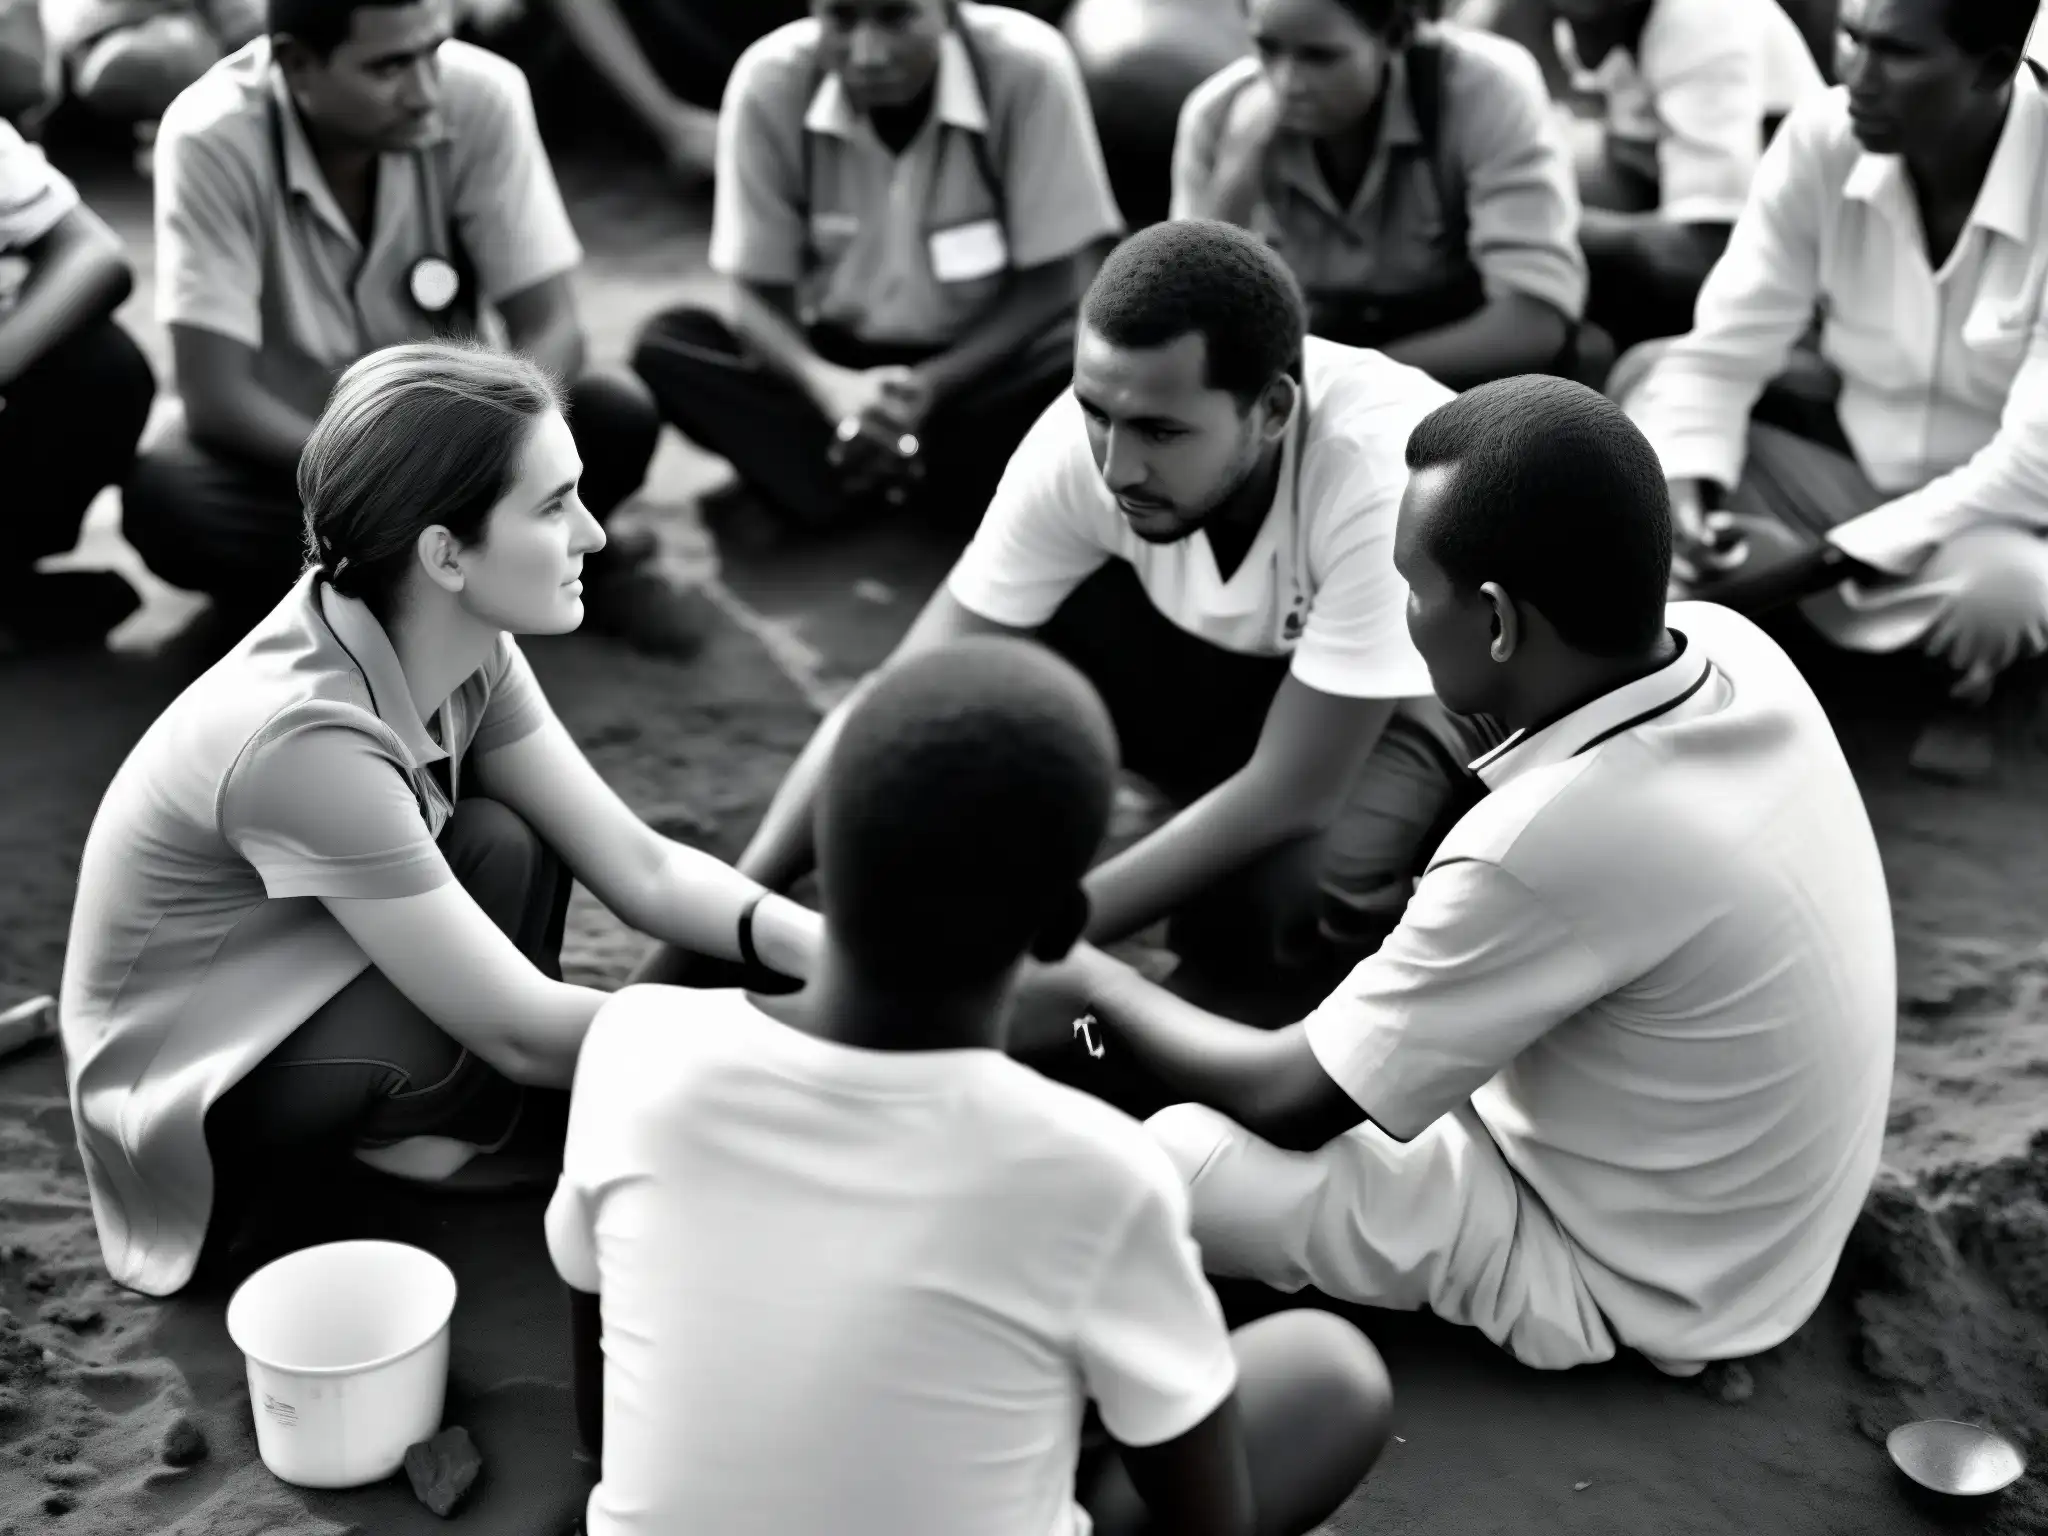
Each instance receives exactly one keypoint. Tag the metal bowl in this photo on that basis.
(1962, 1460)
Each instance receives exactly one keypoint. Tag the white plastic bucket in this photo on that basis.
(347, 1348)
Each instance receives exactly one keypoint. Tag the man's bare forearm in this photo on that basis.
(1511, 334)
(770, 328)
(598, 28)
(78, 275)
(1033, 302)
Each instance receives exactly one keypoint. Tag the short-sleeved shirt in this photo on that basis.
(1499, 147)
(855, 1290)
(1318, 583)
(909, 250)
(34, 195)
(255, 248)
(1657, 958)
(297, 770)
(1686, 106)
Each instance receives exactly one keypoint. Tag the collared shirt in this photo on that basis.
(1687, 103)
(1318, 582)
(1657, 958)
(260, 252)
(1944, 374)
(909, 249)
(1504, 150)
(297, 770)
(35, 196)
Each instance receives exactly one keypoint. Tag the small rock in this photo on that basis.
(869, 590)
(40, 1280)
(14, 1253)
(70, 1474)
(58, 1503)
(78, 1316)
(1729, 1381)
(184, 1443)
(442, 1469)
(11, 1403)
(1580, 1487)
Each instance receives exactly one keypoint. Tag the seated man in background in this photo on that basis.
(1906, 207)
(75, 393)
(1620, 1077)
(1692, 90)
(1204, 525)
(1414, 179)
(127, 60)
(911, 199)
(354, 180)
(837, 1264)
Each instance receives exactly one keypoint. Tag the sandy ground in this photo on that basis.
(1941, 1310)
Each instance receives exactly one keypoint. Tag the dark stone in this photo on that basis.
(442, 1469)
(59, 1503)
(78, 1316)
(184, 1443)
(1729, 1381)
(40, 1280)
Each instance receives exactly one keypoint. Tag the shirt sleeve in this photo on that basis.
(1200, 134)
(1055, 183)
(1694, 404)
(1037, 542)
(1521, 191)
(2005, 481)
(1155, 1353)
(600, 1099)
(1707, 89)
(515, 228)
(209, 242)
(1478, 970)
(758, 208)
(35, 196)
(322, 808)
(516, 706)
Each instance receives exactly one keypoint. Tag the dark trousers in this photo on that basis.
(68, 431)
(1188, 716)
(211, 523)
(369, 1069)
(728, 402)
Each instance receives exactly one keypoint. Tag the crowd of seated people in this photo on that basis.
(1324, 505)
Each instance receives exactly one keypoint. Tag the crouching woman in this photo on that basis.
(320, 910)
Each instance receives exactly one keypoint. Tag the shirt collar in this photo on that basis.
(957, 100)
(302, 174)
(1294, 155)
(2007, 203)
(1591, 723)
(369, 647)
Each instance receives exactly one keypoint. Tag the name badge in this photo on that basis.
(435, 284)
(969, 251)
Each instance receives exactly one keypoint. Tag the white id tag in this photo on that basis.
(969, 251)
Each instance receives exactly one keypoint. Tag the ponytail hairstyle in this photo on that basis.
(416, 436)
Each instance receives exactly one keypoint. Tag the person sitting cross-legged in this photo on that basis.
(911, 199)
(1620, 1077)
(836, 1263)
(355, 179)
(1204, 525)
(1905, 207)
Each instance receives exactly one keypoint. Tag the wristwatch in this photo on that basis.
(1085, 1028)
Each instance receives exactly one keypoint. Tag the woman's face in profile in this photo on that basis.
(524, 574)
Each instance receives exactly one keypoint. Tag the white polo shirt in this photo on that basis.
(1658, 960)
(1318, 583)
(865, 1291)
(1686, 106)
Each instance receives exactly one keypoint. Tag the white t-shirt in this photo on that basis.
(1319, 580)
(865, 1291)
(1658, 961)
(1688, 104)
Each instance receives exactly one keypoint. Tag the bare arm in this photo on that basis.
(781, 850)
(78, 274)
(601, 33)
(1307, 757)
(1511, 334)
(680, 895)
(542, 322)
(1199, 1483)
(227, 408)
(764, 317)
(1030, 302)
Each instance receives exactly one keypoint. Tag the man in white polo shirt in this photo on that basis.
(1906, 208)
(354, 180)
(1620, 1077)
(1204, 525)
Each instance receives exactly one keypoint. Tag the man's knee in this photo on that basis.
(2001, 581)
(617, 427)
(1332, 1397)
(134, 74)
(677, 338)
(1191, 1135)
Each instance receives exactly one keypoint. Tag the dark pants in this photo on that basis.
(369, 1069)
(1315, 1409)
(1188, 716)
(732, 405)
(68, 430)
(232, 529)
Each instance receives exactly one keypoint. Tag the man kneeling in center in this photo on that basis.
(839, 1264)
(1204, 525)
(1620, 1076)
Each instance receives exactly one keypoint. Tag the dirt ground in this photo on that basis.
(1941, 1309)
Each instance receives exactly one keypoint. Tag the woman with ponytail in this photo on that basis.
(320, 910)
